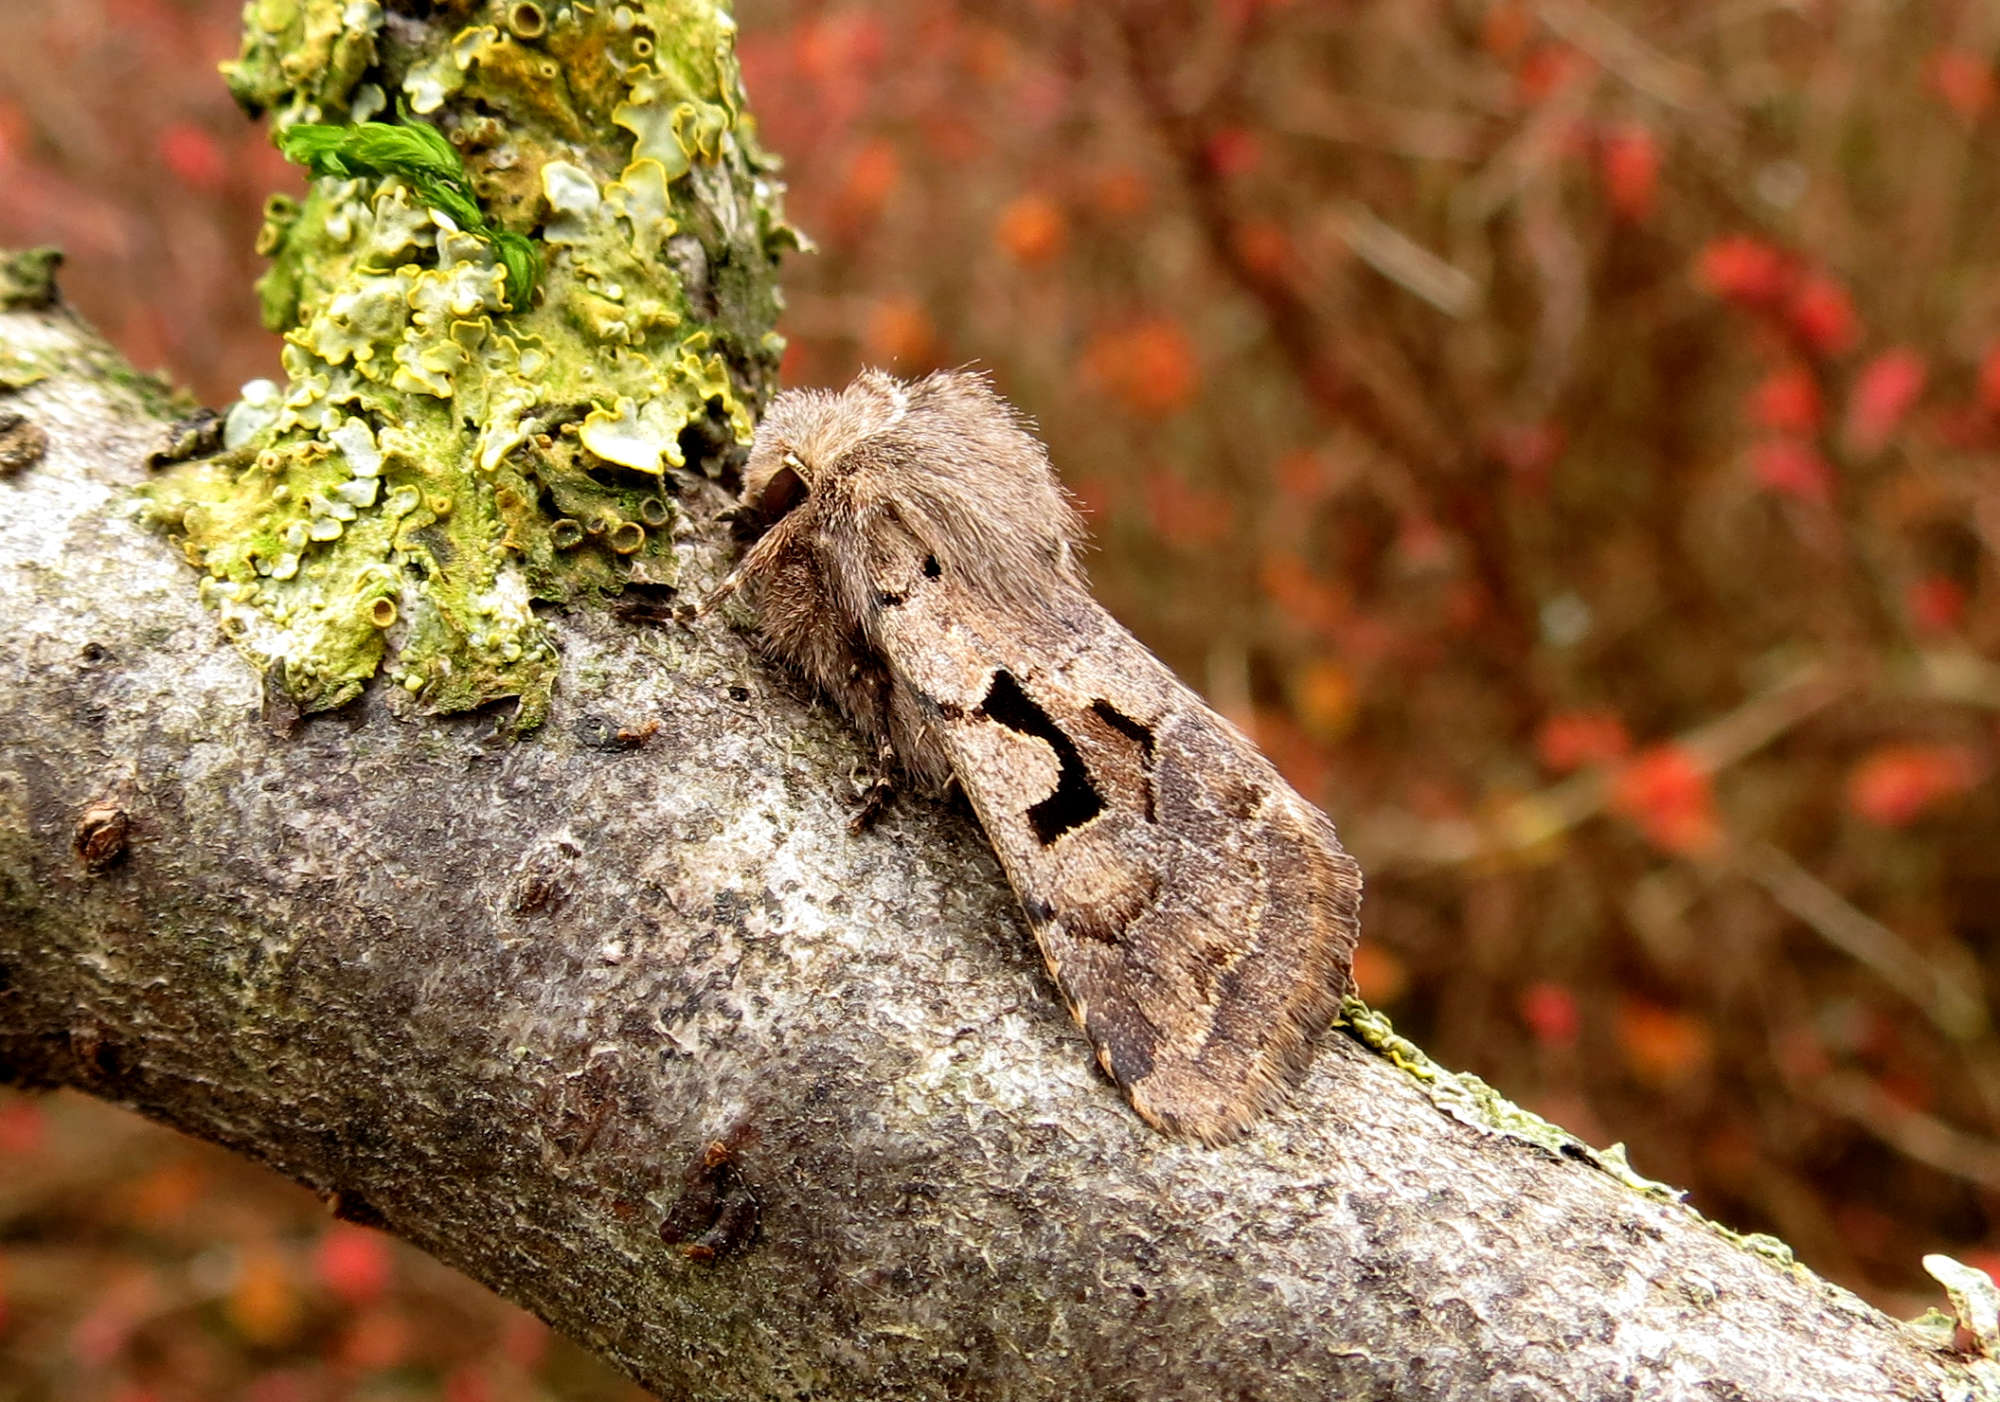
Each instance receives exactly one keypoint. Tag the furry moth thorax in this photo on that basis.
(951, 460)
(920, 566)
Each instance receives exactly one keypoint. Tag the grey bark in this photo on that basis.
(502, 997)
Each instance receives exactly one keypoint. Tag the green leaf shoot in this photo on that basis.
(419, 154)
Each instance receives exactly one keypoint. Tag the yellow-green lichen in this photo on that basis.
(28, 278)
(1470, 1101)
(440, 459)
(18, 369)
(303, 59)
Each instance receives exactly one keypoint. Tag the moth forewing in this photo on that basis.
(1198, 916)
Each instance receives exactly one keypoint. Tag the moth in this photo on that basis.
(919, 564)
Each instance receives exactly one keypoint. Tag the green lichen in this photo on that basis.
(18, 369)
(28, 278)
(1934, 1327)
(154, 395)
(454, 444)
(1971, 1332)
(303, 59)
(1470, 1101)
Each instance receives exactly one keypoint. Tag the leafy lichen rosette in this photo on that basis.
(534, 275)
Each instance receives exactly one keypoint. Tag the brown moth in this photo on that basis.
(920, 565)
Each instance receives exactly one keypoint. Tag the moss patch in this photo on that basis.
(440, 459)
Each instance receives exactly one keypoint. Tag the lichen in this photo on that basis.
(1970, 1333)
(440, 459)
(18, 369)
(304, 57)
(28, 278)
(1470, 1101)
(1975, 1303)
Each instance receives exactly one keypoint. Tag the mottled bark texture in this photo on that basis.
(506, 998)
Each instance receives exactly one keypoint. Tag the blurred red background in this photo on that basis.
(1566, 434)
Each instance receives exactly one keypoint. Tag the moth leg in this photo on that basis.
(754, 564)
(870, 700)
(881, 787)
(692, 612)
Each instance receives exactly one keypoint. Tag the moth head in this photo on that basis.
(945, 457)
(783, 467)
(806, 434)
(774, 486)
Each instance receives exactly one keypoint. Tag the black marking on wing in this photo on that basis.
(931, 567)
(1075, 800)
(1140, 734)
(785, 490)
(1131, 729)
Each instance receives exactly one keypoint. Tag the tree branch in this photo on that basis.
(528, 1002)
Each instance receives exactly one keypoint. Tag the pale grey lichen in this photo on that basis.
(1975, 1303)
